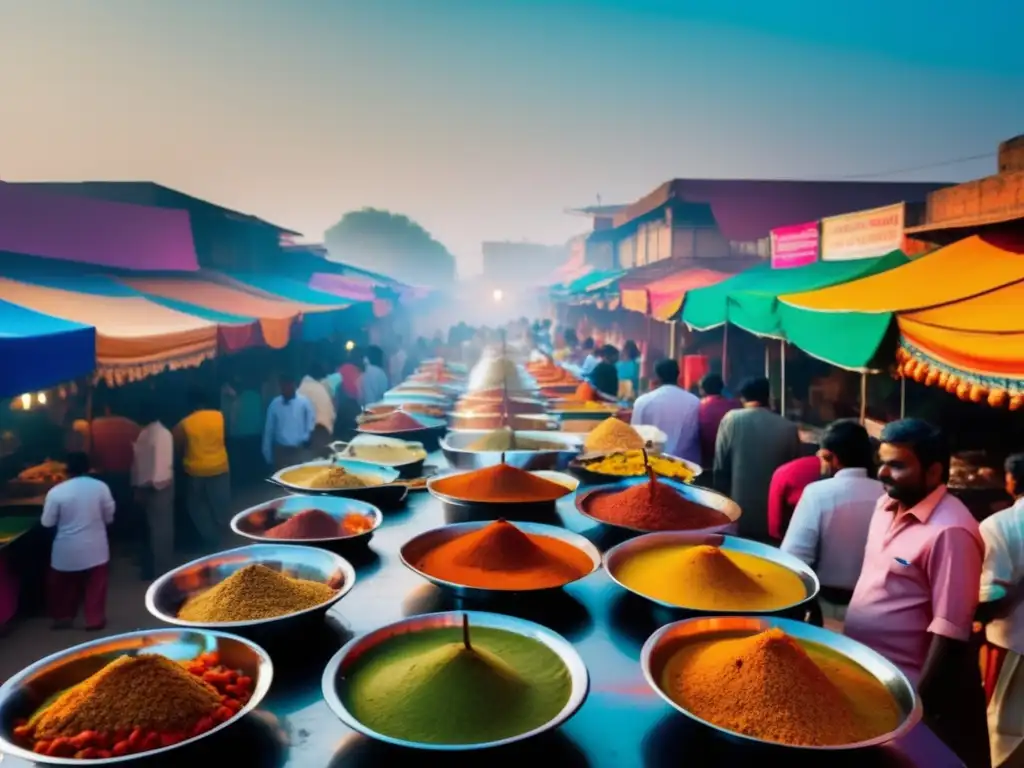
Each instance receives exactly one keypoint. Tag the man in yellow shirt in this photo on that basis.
(200, 437)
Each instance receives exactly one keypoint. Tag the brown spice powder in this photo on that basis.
(147, 691)
(253, 593)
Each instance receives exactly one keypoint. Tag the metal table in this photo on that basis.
(623, 724)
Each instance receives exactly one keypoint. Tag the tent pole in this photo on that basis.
(863, 396)
(672, 339)
(767, 361)
(725, 351)
(782, 376)
(903, 397)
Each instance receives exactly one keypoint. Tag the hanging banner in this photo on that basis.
(863, 235)
(794, 246)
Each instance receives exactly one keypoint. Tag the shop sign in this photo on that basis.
(863, 235)
(795, 245)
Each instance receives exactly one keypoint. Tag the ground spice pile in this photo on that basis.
(253, 593)
(501, 556)
(613, 434)
(396, 421)
(147, 691)
(764, 686)
(307, 524)
(653, 506)
(500, 483)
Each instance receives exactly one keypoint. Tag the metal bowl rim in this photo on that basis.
(628, 482)
(577, 463)
(381, 471)
(576, 540)
(454, 500)
(13, 684)
(566, 651)
(343, 565)
(781, 558)
(369, 510)
(799, 630)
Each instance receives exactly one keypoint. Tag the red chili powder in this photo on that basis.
(307, 524)
(396, 421)
(653, 506)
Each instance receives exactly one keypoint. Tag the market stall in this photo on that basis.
(135, 337)
(41, 350)
(323, 314)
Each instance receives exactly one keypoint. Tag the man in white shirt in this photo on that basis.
(590, 359)
(153, 480)
(829, 527)
(1002, 597)
(673, 410)
(312, 388)
(80, 508)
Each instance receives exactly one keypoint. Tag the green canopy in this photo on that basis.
(750, 299)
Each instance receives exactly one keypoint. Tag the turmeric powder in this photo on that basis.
(774, 688)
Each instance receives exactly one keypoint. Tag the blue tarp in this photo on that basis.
(39, 351)
(316, 326)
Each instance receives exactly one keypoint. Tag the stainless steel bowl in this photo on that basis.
(579, 467)
(342, 662)
(254, 522)
(381, 492)
(420, 545)
(22, 694)
(166, 595)
(409, 467)
(618, 554)
(455, 446)
(693, 493)
(660, 645)
(498, 505)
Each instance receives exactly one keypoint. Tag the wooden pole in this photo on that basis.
(725, 351)
(782, 376)
(903, 397)
(863, 396)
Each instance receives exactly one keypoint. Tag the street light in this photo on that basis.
(498, 294)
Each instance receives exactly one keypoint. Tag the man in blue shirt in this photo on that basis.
(291, 420)
(374, 382)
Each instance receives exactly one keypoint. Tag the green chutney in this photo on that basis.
(427, 687)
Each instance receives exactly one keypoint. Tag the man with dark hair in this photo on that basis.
(673, 410)
(153, 481)
(313, 389)
(752, 443)
(1002, 578)
(713, 407)
(590, 359)
(829, 528)
(291, 420)
(374, 382)
(605, 377)
(80, 508)
(918, 590)
(201, 436)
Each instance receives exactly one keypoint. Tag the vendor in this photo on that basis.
(200, 436)
(291, 420)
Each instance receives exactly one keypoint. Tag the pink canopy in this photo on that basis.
(353, 287)
(88, 231)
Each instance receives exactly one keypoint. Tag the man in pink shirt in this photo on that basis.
(787, 486)
(918, 589)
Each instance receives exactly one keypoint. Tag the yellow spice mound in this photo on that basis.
(613, 434)
(252, 593)
(764, 686)
(714, 570)
(147, 691)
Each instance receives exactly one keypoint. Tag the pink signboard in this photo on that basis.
(795, 246)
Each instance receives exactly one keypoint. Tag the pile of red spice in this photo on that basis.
(653, 506)
(396, 421)
(317, 524)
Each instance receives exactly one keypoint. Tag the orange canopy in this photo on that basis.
(662, 298)
(967, 268)
(135, 337)
(275, 316)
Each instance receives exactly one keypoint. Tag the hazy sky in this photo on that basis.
(485, 119)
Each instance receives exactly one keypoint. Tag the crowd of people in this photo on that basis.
(904, 567)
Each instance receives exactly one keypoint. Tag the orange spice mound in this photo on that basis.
(500, 556)
(500, 483)
(765, 686)
(396, 421)
(147, 691)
